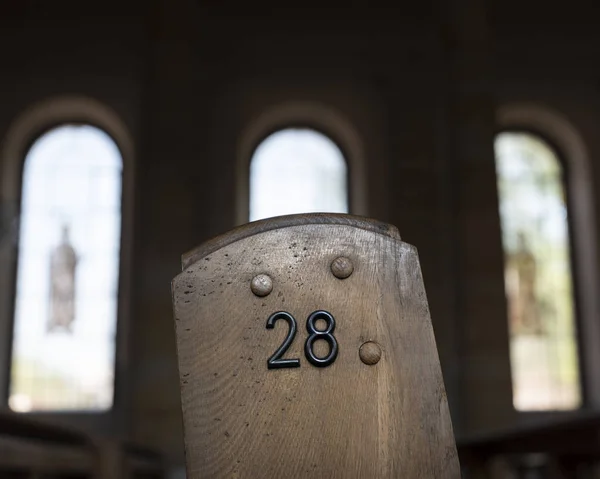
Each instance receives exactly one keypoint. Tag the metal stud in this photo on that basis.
(342, 267)
(261, 285)
(370, 353)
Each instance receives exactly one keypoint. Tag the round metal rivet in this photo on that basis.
(341, 267)
(370, 353)
(261, 285)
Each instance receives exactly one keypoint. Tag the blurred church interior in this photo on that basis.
(130, 132)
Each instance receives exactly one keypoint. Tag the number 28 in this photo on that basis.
(276, 361)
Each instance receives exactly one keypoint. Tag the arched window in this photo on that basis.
(538, 274)
(65, 311)
(297, 170)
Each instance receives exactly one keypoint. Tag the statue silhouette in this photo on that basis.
(521, 290)
(63, 262)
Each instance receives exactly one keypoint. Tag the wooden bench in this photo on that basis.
(306, 350)
(567, 447)
(30, 449)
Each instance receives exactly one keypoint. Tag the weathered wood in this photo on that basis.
(262, 226)
(381, 417)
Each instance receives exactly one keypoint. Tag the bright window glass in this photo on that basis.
(538, 276)
(63, 356)
(297, 170)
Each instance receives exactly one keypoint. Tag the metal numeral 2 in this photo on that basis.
(276, 361)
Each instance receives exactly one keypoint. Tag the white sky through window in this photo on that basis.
(72, 179)
(538, 277)
(297, 170)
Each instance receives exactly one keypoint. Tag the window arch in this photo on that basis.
(539, 279)
(297, 170)
(65, 309)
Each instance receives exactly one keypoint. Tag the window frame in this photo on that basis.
(564, 179)
(302, 126)
(562, 131)
(27, 128)
(302, 114)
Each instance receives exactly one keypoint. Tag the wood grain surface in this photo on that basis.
(347, 420)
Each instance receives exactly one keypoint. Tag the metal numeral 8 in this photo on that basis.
(315, 334)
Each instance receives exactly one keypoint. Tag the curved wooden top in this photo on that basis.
(288, 221)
